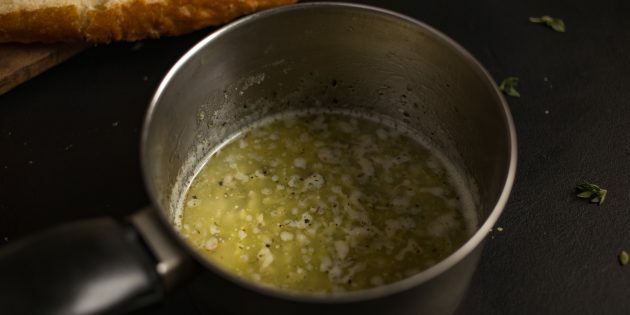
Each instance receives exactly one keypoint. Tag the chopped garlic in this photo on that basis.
(266, 258)
(293, 181)
(211, 244)
(342, 249)
(315, 181)
(299, 162)
(325, 264)
(326, 155)
(366, 166)
(242, 234)
(193, 202)
(286, 236)
(214, 229)
(334, 272)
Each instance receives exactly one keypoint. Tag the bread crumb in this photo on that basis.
(137, 46)
(500, 229)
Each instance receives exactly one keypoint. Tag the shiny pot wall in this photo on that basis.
(307, 56)
(320, 56)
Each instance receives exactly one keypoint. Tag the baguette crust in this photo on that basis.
(129, 21)
(50, 24)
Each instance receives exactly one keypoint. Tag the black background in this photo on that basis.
(69, 142)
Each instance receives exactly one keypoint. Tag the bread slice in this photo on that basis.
(102, 21)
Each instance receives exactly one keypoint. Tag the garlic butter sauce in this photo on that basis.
(326, 202)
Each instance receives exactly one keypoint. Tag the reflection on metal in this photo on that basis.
(173, 264)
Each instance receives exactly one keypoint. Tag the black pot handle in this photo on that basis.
(98, 266)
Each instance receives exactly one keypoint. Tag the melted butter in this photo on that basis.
(324, 203)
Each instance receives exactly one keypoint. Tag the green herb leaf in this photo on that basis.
(508, 86)
(585, 194)
(624, 258)
(554, 23)
(591, 191)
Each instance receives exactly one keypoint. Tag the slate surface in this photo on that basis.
(69, 147)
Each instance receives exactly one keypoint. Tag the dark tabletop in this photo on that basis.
(69, 142)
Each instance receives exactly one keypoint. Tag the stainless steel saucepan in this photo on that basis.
(312, 55)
